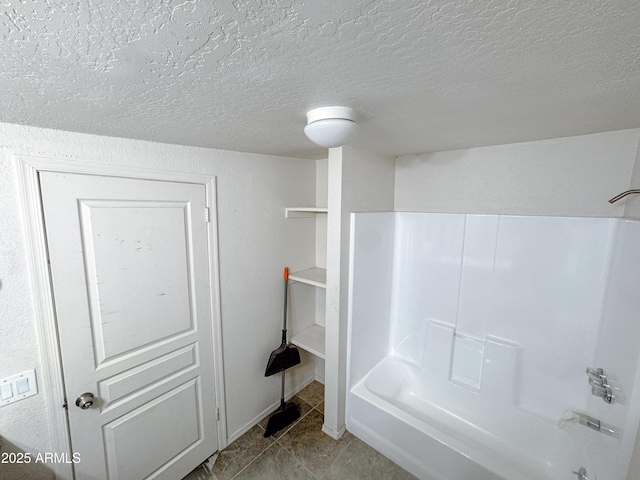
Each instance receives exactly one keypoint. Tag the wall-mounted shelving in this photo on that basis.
(304, 212)
(313, 276)
(311, 339)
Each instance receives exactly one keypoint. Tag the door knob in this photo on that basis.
(85, 401)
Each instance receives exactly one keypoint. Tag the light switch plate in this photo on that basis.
(17, 387)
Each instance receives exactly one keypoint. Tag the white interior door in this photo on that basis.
(129, 263)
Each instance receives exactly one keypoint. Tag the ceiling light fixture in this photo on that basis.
(331, 126)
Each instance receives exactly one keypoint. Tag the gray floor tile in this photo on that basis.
(316, 450)
(301, 451)
(198, 474)
(313, 393)
(237, 455)
(275, 463)
(361, 462)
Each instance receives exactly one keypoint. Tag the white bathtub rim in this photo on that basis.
(543, 422)
(512, 465)
(486, 461)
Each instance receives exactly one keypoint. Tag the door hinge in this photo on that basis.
(217, 414)
(65, 405)
(207, 215)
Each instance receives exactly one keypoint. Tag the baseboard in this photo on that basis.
(332, 433)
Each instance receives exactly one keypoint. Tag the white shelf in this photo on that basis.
(313, 276)
(303, 212)
(311, 339)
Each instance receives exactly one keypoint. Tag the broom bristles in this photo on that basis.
(282, 417)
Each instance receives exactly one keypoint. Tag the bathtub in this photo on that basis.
(469, 336)
(443, 435)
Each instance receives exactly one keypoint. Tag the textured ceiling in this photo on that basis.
(240, 75)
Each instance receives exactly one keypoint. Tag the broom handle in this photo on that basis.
(286, 288)
(284, 330)
(282, 402)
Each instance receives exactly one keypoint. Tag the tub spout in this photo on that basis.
(587, 421)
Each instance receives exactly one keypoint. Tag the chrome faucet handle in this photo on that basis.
(604, 391)
(597, 381)
(595, 372)
(582, 474)
(599, 384)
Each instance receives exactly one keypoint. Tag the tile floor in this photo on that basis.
(301, 451)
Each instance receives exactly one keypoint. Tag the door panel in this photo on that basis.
(124, 243)
(129, 264)
(138, 380)
(128, 458)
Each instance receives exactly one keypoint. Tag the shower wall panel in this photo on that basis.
(492, 320)
(537, 282)
(372, 244)
(617, 353)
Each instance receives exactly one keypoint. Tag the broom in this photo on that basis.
(283, 357)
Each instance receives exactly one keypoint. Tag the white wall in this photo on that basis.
(572, 176)
(256, 241)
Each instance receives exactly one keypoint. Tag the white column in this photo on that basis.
(358, 181)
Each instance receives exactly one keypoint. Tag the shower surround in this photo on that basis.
(470, 335)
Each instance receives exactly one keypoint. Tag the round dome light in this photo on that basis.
(331, 127)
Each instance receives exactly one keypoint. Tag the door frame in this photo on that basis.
(51, 375)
